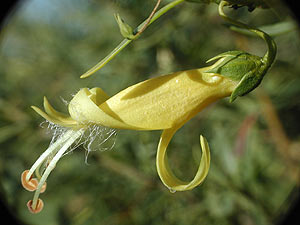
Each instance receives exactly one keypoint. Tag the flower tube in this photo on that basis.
(162, 103)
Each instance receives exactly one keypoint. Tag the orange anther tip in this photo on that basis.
(29, 185)
(35, 183)
(24, 174)
(38, 208)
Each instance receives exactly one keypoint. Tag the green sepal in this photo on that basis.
(239, 66)
(225, 58)
(248, 83)
(235, 64)
(231, 54)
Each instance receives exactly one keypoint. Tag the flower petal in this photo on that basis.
(55, 114)
(84, 109)
(164, 171)
(155, 104)
(54, 120)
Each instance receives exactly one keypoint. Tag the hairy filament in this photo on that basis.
(52, 148)
(69, 138)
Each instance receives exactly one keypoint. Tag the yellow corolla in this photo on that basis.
(162, 103)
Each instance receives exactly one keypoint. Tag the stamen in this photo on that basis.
(72, 137)
(52, 148)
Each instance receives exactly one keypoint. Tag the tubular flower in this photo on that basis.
(162, 103)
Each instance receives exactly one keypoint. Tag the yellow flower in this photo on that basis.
(162, 103)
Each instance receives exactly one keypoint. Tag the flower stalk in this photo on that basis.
(241, 66)
(269, 57)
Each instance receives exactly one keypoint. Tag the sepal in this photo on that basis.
(248, 83)
(239, 66)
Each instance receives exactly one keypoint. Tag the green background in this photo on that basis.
(255, 154)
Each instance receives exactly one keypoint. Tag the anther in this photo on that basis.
(39, 206)
(29, 184)
(32, 183)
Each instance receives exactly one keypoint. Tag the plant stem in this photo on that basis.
(125, 42)
(272, 49)
(148, 20)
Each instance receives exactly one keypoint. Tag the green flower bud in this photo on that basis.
(125, 29)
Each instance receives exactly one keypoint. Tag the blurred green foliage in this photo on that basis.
(47, 45)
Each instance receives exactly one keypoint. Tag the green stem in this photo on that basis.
(125, 42)
(147, 22)
(272, 49)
